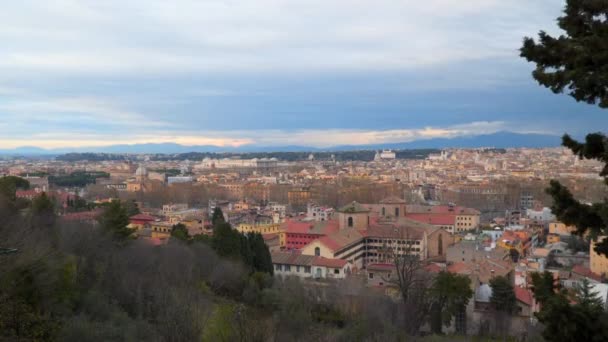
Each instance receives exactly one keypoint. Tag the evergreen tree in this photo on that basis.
(451, 294)
(226, 241)
(587, 297)
(132, 208)
(246, 251)
(43, 210)
(262, 261)
(10, 184)
(503, 295)
(578, 61)
(115, 220)
(180, 232)
(585, 320)
(43, 205)
(217, 217)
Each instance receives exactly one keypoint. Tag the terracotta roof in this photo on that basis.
(434, 219)
(433, 268)
(585, 272)
(332, 263)
(523, 295)
(81, 216)
(286, 258)
(311, 227)
(341, 239)
(142, 217)
(459, 268)
(395, 232)
(441, 209)
(392, 200)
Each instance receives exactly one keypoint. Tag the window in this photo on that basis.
(277, 267)
(371, 276)
(287, 268)
(383, 211)
(317, 251)
(350, 221)
(336, 271)
(396, 212)
(306, 269)
(298, 268)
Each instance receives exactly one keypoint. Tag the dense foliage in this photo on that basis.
(585, 320)
(73, 282)
(77, 179)
(578, 61)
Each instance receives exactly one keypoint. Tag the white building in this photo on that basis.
(179, 179)
(235, 163)
(543, 215)
(318, 213)
(308, 266)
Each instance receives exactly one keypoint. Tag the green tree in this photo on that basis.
(220, 326)
(503, 303)
(131, 207)
(226, 241)
(10, 184)
(43, 205)
(585, 320)
(246, 252)
(450, 295)
(262, 261)
(503, 295)
(578, 61)
(587, 297)
(115, 220)
(217, 217)
(180, 232)
(43, 210)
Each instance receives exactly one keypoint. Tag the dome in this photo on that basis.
(141, 171)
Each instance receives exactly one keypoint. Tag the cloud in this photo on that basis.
(314, 138)
(264, 35)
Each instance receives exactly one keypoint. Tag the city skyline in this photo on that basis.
(274, 73)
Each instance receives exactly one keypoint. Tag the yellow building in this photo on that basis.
(553, 238)
(560, 228)
(273, 228)
(467, 220)
(161, 230)
(598, 263)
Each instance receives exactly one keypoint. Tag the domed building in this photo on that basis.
(141, 174)
(141, 181)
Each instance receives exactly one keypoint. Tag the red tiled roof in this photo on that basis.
(459, 267)
(585, 272)
(332, 263)
(142, 217)
(81, 216)
(523, 295)
(433, 268)
(329, 242)
(434, 219)
(444, 209)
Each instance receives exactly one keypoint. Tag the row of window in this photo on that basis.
(399, 242)
(287, 268)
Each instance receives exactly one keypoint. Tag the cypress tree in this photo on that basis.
(577, 62)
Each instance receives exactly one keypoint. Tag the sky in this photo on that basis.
(274, 72)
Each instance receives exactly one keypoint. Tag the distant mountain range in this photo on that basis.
(498, 140)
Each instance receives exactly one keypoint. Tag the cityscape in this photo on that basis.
(290, 171)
